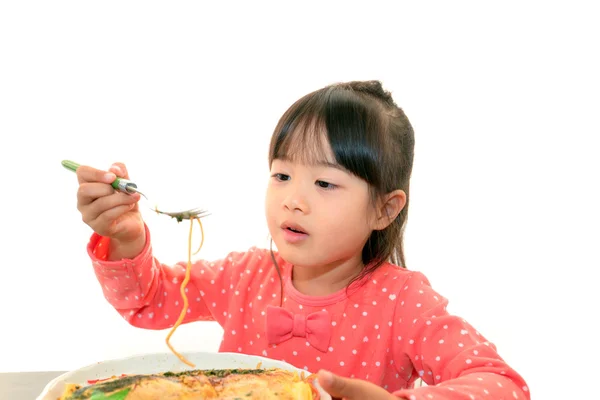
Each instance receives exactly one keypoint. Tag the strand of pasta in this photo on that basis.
(188, 271)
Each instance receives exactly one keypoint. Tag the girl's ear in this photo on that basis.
(389, 208)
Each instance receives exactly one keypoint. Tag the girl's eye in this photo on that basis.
(326, 185)
(281, 177)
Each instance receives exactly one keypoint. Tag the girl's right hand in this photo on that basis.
(109, 212)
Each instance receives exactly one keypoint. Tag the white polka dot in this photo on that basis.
(461, 345)
(525, 389)
(411, 341)
(399, 337)
(437, 377)
(354, 352)
(214, 304)
(437, 358)
(333, 323)
(166, 316)
(392, 297)
(418, 305)
(515, 395)
(300, 306)
(341, 363)
(364, 364)
(330, 349)
(376, 326)
(365, 339)
(475, 352)
(364, 313)
(445, 326)
(441, 341)
(468, 361)
(384, 290)
(378, 363)
(356, 306)
(295, 353)
(259, 297)
(233, 332)
(353, 326)
(374, 303)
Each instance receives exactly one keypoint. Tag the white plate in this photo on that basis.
(162, 362)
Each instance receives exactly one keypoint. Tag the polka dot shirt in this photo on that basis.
(391, 329)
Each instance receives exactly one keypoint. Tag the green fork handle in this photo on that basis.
(120, 184)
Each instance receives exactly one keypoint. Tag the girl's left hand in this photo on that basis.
(352, 389)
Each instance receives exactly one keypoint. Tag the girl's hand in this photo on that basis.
(352, 389)
(109, 212)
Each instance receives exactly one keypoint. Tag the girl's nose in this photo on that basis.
(295, 201)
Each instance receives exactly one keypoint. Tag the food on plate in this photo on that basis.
(230, 384)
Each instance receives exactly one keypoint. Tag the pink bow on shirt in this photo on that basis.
(282, 325)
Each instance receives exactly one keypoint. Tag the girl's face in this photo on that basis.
(319, 215)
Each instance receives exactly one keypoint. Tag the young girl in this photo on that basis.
(336, 295)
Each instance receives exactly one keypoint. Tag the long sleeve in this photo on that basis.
(148, 294)
(447, 353)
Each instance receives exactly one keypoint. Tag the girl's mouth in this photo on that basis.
(293, 233)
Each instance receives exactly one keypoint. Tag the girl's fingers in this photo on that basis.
(88, 192)
(106, 221)
(92, 207)
(90, 174)
(120, 170)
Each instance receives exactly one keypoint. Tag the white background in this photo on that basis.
(504, 209)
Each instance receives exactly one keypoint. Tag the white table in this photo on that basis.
(25, 385)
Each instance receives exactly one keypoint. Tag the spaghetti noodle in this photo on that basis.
(188, 271)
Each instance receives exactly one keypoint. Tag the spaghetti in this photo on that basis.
(188, 271)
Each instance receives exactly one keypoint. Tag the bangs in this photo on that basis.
(306, 143)
(331, 126)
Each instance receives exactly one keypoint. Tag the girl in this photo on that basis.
(337, 294)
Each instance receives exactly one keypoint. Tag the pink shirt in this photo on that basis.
(391, 330)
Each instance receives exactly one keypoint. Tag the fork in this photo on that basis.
(128, 187)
